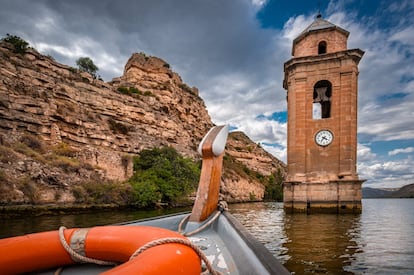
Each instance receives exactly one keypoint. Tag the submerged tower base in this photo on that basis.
(340, 197)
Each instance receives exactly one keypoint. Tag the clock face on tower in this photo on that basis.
(323, 137)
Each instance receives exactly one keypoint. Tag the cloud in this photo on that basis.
(364, 153)
(381, 172)
(276, 151)
(387, 173)
(259, 3)
(295, 26)
(401, 151)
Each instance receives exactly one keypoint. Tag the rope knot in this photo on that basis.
(222, 206)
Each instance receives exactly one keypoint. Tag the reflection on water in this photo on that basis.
(378, 241)
(320, 243)
(25, 225)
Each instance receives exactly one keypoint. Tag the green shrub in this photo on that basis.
(148, 93)
(134, 90)
(274, 187)
(129, 90)
(185, 88)
(272, 183)
(123, 90)
(163, 175)
(144, 55)
(273, 192)
(20, 45)
(73, 70)
(146, 190)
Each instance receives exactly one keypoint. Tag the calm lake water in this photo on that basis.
(378, 241)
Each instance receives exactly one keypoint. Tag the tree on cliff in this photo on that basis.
(85, 64)
(20, 45)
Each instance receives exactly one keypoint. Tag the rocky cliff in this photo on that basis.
(61, 128)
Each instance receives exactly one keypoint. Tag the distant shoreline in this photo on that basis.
(406, 191)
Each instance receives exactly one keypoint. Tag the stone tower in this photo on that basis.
(322, 88)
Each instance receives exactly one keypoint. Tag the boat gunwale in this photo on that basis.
(183, 213)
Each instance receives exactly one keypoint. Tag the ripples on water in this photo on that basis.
(385, 237)
(266, 222)
(379, 241)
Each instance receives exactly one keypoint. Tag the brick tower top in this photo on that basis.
(323, 33)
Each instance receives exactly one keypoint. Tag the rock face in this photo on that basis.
(242, 185)
(104, 124)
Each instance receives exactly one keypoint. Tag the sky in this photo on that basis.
(233, 51)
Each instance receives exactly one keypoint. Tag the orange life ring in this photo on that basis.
(41, 251)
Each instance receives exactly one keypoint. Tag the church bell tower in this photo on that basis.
(321, 81)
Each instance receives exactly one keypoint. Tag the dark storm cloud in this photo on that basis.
(200, 39)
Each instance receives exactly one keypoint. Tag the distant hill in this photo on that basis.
(368, 192)
(406, 191)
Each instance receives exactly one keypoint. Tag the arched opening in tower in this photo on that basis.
(322, 92)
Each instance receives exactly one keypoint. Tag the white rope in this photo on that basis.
(76, 256)
(180, 241)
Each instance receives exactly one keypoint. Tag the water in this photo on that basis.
(25, 225)
(378, 241)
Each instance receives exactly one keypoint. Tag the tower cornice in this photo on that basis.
(354, 54)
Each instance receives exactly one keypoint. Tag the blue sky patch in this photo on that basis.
(275, 145)
(273, 17)
(382, 148)
(276, 116)
(232, 128)
(393, 96)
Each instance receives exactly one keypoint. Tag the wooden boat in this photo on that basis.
(207, 240)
